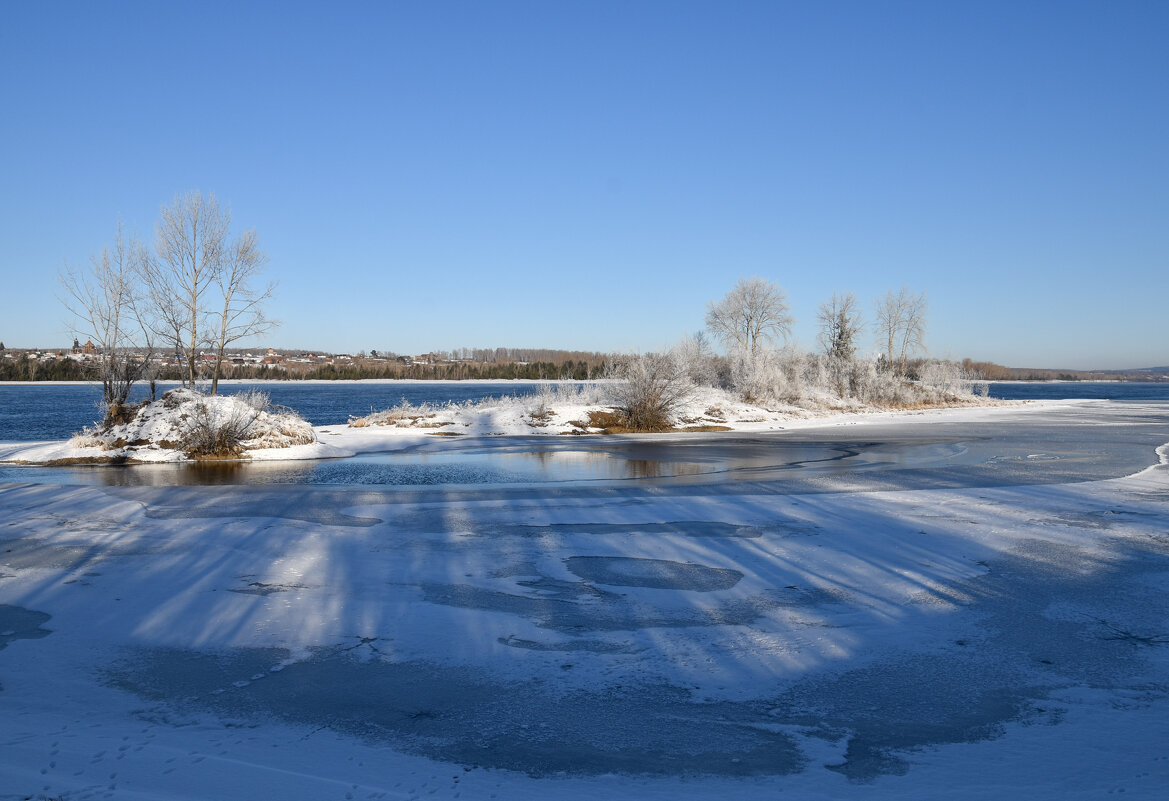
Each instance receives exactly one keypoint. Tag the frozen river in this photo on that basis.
(967, 604)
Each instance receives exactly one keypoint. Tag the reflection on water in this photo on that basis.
(495, 466)
(521, 464)
(461, 468)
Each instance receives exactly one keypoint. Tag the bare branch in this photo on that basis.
(190, 253)
(104, 303)
(242, 314)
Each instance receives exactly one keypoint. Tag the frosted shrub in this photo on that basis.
(776, 376)
(809, 379)
(814, 375)
(404, 413)
(567, 392)
(950, 379)
(942, 376)
(256, 399)
(839, 376)
(88, 437)
(757, 376)
(694, 355)
(650, 390)
(880, 387)
(790, 376)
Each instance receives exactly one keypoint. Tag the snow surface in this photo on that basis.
(320, 643)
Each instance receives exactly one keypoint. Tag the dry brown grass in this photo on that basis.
(615, 422)
(392, 417)
(540, 418)
(72, 460)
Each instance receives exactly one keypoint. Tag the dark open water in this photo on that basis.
(1104, 390)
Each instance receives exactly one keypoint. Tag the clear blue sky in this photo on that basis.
(588, 175)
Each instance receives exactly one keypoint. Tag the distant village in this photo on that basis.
(80, 363)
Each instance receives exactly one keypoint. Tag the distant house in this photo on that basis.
(89, 349)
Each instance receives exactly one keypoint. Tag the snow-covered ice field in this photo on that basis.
(989, 619)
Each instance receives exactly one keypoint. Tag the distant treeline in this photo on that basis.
(24, 369)
(449, 371)
(989, 371)
(584, 367)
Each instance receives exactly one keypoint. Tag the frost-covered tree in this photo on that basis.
(840, 325)
(753, 312)
(106, 306)
(901, 325)
(190, 245)
(242, 313)
(194, 257)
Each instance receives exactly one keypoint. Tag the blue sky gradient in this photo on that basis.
(589, 175)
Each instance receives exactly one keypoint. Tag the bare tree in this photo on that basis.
(840, 324)
(901, 324)
(190, 250)
(754, 311)
(242, 314)
(106, 307)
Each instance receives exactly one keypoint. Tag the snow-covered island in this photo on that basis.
(186, 425)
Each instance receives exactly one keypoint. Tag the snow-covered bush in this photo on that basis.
(217, 432)
(694, 354)
(225, 426)
(950, 378)
(402, 414)
(790, 376)
(839, 375)
(879, 387)
(777, 376)
(757, 376)
(650, 390)
(561, 394)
